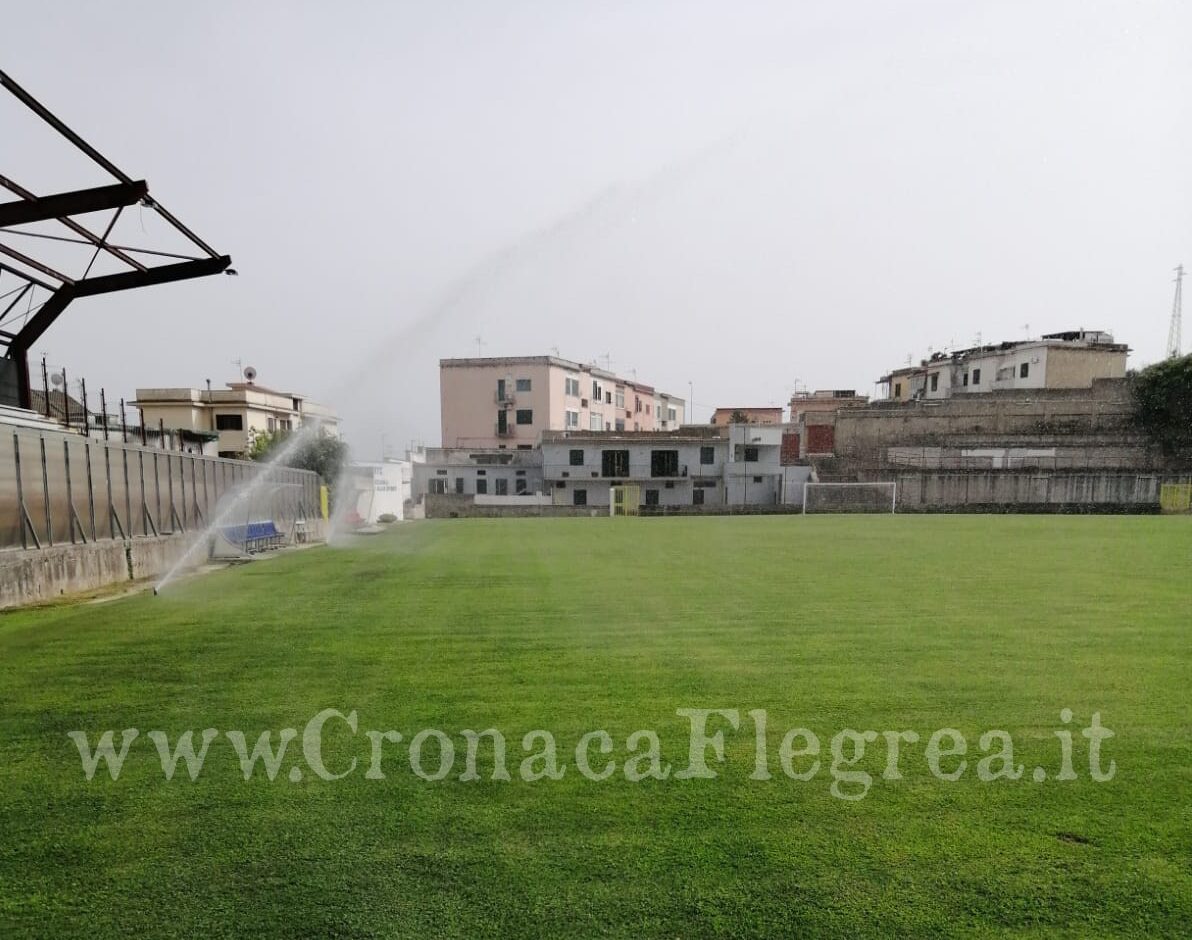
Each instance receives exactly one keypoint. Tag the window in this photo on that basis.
(619, 424)
(441, 473)
(571, 387)
(614, 463)
(935, 381)
(596, 396)
(670, 484)
(608, 398)
(757, 479)
(966, 378)
(519, 486)
(481, 473)
(501, 394)
(459, 484)
(521, 473)
(707, 455)
(664, 463)
(502, 488)
(637, 404)
(502, 422)
(897, 389)
(976, 376)
(651, 497)
(750, 454)
(671, 414)
(576, 458)
(271, 424)
(620, 398)
(525, 446)
(697, 497)
(522, 385)
(229, 422)
(525, 416)
(571, 419)
(481, 486)
(1024, 370)
(579, 497)
(596, 423)
(437, 486)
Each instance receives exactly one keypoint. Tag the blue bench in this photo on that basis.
(254, 536)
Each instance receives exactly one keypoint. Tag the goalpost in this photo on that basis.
(624, 500)
(850, 497)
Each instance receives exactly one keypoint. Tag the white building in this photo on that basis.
(1073, 359)
(697, 465)
(378, 489)
(476, 472)
(237, 414)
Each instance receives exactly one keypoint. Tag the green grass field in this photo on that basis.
(574, 625)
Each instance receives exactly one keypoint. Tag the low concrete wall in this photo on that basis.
(30, 576)
(453, 506)
(1030, 491)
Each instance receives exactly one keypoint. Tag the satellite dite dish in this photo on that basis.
(249, 373)
(56, 379)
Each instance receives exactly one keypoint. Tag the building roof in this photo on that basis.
(1091, 340)
(59, 402)
(688, 433)
(472, 362)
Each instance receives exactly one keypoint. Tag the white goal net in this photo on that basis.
(850, 497)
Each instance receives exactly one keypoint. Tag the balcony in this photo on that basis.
(506, 430)
(506, 398)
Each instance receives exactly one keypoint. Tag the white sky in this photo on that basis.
(735, 195)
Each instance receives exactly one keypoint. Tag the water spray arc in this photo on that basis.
(615, 201)
(242, 499)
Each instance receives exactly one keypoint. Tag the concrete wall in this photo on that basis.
(30, 576)
(1030, 491)
(1093, 418)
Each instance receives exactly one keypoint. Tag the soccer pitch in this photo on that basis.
(572, 626)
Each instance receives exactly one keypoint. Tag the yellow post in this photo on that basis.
(1175, 497)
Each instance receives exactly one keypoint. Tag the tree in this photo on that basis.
(738, 417)
(1163, 403)
(319, 451)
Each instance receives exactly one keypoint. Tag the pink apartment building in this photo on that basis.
(507, 402)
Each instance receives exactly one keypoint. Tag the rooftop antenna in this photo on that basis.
(1174, 340)
(555, 350)
(1026, 329)
(480, 344)
(608, 361)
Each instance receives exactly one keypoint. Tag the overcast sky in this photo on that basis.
(733, 195)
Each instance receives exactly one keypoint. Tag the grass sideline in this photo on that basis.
(572, 625)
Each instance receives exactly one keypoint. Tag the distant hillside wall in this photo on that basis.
(1092, 427)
